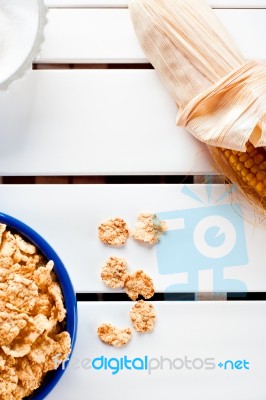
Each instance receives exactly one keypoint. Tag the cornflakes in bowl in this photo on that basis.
(38, 314)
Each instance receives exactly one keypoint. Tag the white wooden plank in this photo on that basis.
(86, 3)
(208, 246)
(94, 122)
(107, 35)
(220, 331)
(124, 3)
(90, 35)
(237, 3)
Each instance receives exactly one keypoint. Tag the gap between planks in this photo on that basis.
(132, 179)
(160, 296)
(98, 65)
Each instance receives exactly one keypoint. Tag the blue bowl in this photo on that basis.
(69, 295)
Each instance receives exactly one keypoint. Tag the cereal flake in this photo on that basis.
(11, 324)
(55, 291)
(31, 308)
(24, 246)
(42, 276)
(21, 293)
(6, 262)
(8, 245)
(113, 335)
(114, 272)
(142, 316)
(139, 283)
(2, 230)
(149, 228)
(113, 232)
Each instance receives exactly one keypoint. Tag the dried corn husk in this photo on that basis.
(220, 96)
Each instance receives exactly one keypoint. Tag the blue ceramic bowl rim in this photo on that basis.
(69, 295)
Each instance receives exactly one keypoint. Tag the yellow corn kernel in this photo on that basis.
(260, 176)
(249, 177)
(258, 158)
(227, 153)
(244, 157)
(263, 165)
(259, 187)
(244, 172)
(255, 169)
(250, 148)
(233, 159)
(253, 153)
(249, 163)
(254, 182)
(239, 166)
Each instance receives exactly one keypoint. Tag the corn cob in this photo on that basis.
(221, 97)
(246, 169)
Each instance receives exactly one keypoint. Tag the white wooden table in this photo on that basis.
(93, 108)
